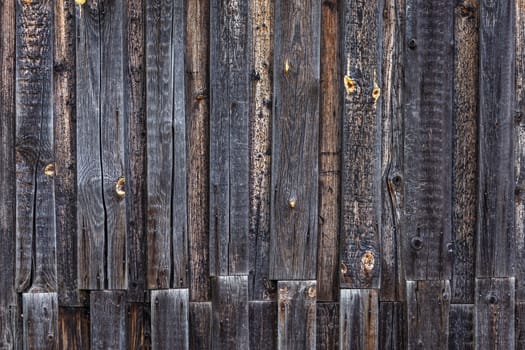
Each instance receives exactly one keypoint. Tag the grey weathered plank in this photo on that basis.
(40, 321)
(494, 319)
(229, 152)
(197, 110)
(461, 327)
(358, 319)
(295, 134)
(296, 315)
(107, 320)
(35, 197)
(327, 337)
(466, 22)
(73, 327)
(495, 244)
(200, 325)
(391, 325)
(520, 325)
(169, 319)
(428, 139)
(263, 321)
(138, 328)
(361, 149)
(166, 145)
(428, 304)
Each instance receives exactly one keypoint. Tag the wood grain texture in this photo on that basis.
(361, 161)
(229, 151)
(295, 140)
(428, 304)
(327, 337)
(40, 321)
(392, 330)
(296, 315)
(262, 318)
(461, 327)
(169, 319)
(428, 139)
(138, 327)
(520, 325)
(35, 197)
(358, 320)
(200, 325)
(495, 252)
(73, 328)
(107, 320)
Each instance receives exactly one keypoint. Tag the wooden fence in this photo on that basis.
(288, 174)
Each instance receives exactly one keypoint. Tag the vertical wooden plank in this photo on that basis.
(73, 328)
(35, 198)
(197, 110)
(520, 325)
(200, 325)
(361, 161)
(327, 337)
(295, 135)
(296, 321)
(230, 313)
(461, 327)
(40, 320)
(263, 325)
(428, 304)
(494, 319)
(391, 326)
(229, 152)
(138, 328)
(428, 139)
(169, 319)
(358, 320)
(107, 320)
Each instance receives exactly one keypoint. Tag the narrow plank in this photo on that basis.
(361, 149)
(461, 327)
(495, 254)
(73, 328)
(200, 325)
(229, 152)
(428, 139)
(138, 327)
(466, 34)
(327, 326)
(494, 321)
(520, 325)
(169, 319)
(329, 155)
(230, 313)
(296, 321)
(35, 198)
(40, 320)
(428, 304)
(358, 320)
(107, 320)
(197, 110)
(391, 325)
(263, 321)
(295, 134)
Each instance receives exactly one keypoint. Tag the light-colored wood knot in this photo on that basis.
(120, 186)
(311, 292)
(376, 93)
(286, 66)
(80, 2)
(49, 170)
(368, 261)
(349, 84)
(291, 203)
(200, 97)
(344, 269)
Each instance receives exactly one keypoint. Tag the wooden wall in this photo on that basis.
(263, 174)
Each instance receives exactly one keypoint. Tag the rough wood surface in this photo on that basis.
(200, 325)
(107, 320)
(520, 325)
(138, 328)
(358, 319)
(73, 328)
(169, 319)
(262, 318)
(392, 325)
(461, 327)
(327, 337)
(40, 321)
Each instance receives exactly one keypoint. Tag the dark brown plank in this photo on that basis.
(327, 326)
(520, 325)
(200, 325)
(428, 304)
(295, 134)
(263, 325)
(229, 152)
(361, 149)
(138, 328)
(169, 319)
(461, 327)
(107, 320)
(391, 326)
(296, 315)
(40, 320)
(358, 320)
(73, 328)
(428, 139)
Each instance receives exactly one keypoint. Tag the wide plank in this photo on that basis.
(40, 321)
(169, 319)
(138, 327)
(358, 319)
(200, 325)
(107, 320)
(461, 327)
(392, 323)
(73, 328)
(263, 325)
(327, 337)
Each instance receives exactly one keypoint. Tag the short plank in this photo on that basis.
(73, 328)
(229, 152)
(327, 337)
(230, 313)
(296, 315)
(361, 148)
(295, 140)
(40, 321)
(494, 323)
(200, 325)
(391, 325)
(428, 104)
(358, 320)
(138, 328)
(107, 320)
(169, 319)
(263, 325)
(428, 304)
(520, 325)
(461, 327)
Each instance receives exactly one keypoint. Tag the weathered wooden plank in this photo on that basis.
(520, 325)
(35, 198)
(73, 328)
(494, 321)
(166, 145)
(495, 252)
(428, 304)
(200, 325)
(466, 22)
(327, 326)
(361, 149)
(461, 327)
(229, 152)
(197, 110)
(295, 134)
(428, 139)
(107, 320)
(263, 322)
(391, 326)
(358, 320)
(296, 321)
(138, 328)
(329, 155)
(169, 319)
(230, 312)
(40, 321)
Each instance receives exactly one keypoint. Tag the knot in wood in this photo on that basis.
(120, 186)
(49, 170)
(416, 243)
(344, 269)
(349, 84)
(368, 261)
(311, 292)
